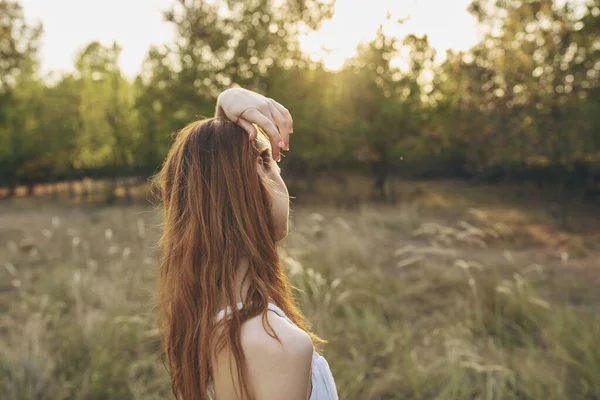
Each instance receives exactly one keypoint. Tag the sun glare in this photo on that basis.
(447, 24)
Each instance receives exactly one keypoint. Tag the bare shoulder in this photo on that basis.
(292, 340)
(277, 369)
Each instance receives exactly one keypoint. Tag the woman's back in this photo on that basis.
(275, 369)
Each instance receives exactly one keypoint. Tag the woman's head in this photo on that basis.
(223, 201)
(215, 174)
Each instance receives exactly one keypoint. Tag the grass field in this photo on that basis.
(457, 292)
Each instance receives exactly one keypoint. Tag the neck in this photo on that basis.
(241, 286)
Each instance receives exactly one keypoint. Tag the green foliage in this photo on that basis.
(522, 103)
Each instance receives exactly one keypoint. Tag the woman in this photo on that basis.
(229, 325)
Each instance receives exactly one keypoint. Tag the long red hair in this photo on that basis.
(216, 210)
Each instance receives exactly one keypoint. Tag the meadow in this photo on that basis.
(455, 292)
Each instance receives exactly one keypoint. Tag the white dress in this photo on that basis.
(323, 385)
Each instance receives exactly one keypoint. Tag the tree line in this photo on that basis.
(522, 104)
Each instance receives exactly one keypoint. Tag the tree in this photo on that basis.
(106, 139)
(386, 103)
(244, 43)
(157, 107)
(18, 64)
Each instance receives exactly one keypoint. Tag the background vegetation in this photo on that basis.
(520, 105)
(456, 293)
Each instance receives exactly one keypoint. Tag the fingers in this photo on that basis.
(279, 119)
(248, 127)
(286, 114)
(256, 117)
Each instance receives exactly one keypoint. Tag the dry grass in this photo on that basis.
(415, 304)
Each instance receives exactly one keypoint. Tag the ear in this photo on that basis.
(260, 167)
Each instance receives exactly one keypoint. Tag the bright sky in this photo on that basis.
(136, 24)
(446, 22)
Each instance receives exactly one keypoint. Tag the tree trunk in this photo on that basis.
(88, 187)
(72, 184)
(128, 186)
(12, 189)
(393, 189)
(380, 171)
(564, 199)
(29, 189)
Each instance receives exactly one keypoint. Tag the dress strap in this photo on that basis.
(270, 306)
(227, 310)
(279, 312)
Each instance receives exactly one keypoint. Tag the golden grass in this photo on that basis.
(415, 305)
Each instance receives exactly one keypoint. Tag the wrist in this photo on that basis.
(219, 112)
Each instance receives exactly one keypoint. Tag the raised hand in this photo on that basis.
(246, 108)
